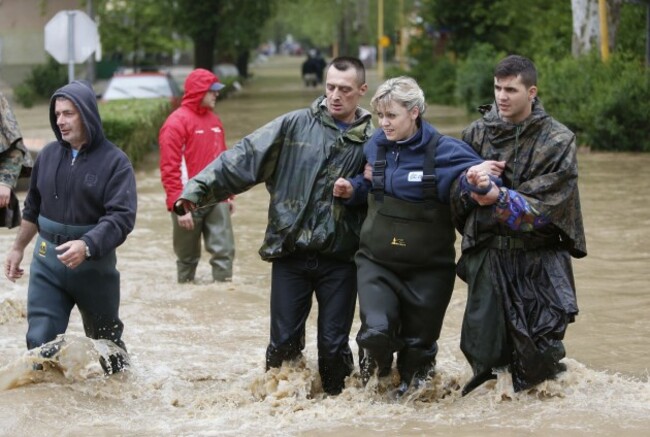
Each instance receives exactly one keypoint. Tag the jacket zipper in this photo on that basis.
(67, 186)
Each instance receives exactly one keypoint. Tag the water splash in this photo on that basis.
(68, 358)
(12, 310)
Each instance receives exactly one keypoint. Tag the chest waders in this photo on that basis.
(406, 273)
(214, 226)
(54, 289)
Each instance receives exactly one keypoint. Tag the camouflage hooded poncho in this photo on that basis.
(541, 166)
(15, 160)
(521, 301)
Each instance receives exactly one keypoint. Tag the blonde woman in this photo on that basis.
(406, 260)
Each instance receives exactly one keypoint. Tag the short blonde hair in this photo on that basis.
(403, 90)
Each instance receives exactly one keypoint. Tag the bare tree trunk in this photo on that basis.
(242, 62)
(204, 52)
(91, 70)
(586, 25)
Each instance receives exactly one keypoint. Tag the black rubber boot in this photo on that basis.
(367, 367)
(374, 362)
(288, 352)
(48, 350)
(115, 363)
(415, 366)
(477, 380)
(333, 372)
(417, 382)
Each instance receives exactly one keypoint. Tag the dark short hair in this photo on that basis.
(515, 65)
(342, 63)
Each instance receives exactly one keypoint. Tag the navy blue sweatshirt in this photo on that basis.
(404, 164)
(97, 188)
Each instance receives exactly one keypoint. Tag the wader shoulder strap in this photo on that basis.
(379, 174)
(429, 179)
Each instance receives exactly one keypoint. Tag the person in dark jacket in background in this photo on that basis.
(190, 139)
(310, 238)
(82, 204)
(312, 68)
(518, 238)
(406, 259)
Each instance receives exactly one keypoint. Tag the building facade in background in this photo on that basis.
(22, 40)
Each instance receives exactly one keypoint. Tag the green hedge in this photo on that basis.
(475, 76)
(607, 105)
(133, 125)
(41, 82)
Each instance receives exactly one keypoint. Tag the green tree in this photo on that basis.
(467, 35)
(316, 27)
(229, 26)
(342, 23)
(632, 32)
(200, 21)
(241, 30)
(135, 31)
(148, 31)
(512, 26)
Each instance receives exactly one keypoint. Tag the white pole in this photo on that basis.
(71, 15)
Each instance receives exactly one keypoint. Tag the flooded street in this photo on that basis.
(197, 350)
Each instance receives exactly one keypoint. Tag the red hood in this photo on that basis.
(196, 85)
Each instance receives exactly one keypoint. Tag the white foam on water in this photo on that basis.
(12, 310)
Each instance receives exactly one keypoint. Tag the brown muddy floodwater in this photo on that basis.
(198, 350)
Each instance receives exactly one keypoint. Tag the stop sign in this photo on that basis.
(71, 36)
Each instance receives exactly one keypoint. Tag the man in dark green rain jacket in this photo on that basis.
(311, 237)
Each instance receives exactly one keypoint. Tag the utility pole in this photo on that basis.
(401, 46)
(604, 30)
(647, 35)
(91, 71)
(380, 38)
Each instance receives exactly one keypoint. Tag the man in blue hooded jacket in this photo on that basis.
(82, 204)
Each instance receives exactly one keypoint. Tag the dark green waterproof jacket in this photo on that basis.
(298, 156)
(541, 165)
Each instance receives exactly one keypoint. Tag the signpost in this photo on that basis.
(71, 37)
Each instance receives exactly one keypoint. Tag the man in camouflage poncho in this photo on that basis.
(518, 238)
(311, 237)
(15, 161)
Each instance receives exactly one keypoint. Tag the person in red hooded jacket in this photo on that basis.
(190, 139)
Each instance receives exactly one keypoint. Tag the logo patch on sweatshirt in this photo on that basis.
(216, 130)
(415, 176)
(90, 180)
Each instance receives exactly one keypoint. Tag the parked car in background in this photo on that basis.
(143, 85)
